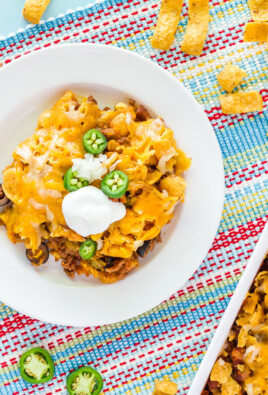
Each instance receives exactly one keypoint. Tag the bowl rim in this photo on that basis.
(109, 50)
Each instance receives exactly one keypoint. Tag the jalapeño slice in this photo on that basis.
(36, 366)
(94, 142)
(114, 184)
(87, 249)
(86, 381)
(72, 182)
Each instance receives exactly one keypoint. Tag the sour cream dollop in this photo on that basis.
(88, 211)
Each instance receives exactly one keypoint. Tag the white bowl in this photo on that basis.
(230, 314)
(34, 83)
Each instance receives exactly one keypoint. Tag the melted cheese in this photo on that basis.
(34, 181)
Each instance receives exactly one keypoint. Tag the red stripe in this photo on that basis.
(234, 235)
(161, 363)
(252, 175)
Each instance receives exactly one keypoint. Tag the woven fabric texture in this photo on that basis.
(170, 340)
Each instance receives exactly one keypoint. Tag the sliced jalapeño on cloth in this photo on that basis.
(36, 366)
(114, 184)
(86, 381)
(94, 142)
(87, 249)
(72, 182)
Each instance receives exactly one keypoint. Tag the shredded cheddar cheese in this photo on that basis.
(242, 367)
(146, 151)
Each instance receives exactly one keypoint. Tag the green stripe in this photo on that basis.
(236, 213)
(246, 158)
(6, 312)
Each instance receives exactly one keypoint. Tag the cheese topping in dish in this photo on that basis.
(88, 211)
(242, 367)
(127, 155)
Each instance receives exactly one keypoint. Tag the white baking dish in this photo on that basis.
(230, 314)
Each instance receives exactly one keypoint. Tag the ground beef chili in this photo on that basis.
(142, 114)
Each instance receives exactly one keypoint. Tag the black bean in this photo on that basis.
(3, 199)
(109, 262)
(142, 250)
(40, 256)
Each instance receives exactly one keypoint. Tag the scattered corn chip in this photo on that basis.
(256, 31)
(250, 303)
(257, 316)
(168, 19)
(259, 10)
(242, 337)
(221, 371)
(34, 9)
(197, 27)
(246, 371)
(165, 387)
(230, 77)
(231, 387)
(241, 102)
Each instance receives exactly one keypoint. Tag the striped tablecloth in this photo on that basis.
(170, 340)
